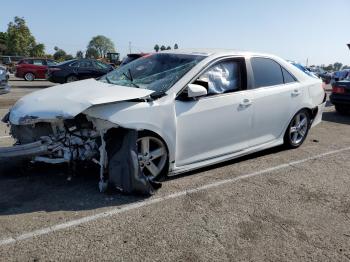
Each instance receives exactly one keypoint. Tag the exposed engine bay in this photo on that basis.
(79, 140)
(67, 140)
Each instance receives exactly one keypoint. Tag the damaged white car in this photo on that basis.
(185, 110)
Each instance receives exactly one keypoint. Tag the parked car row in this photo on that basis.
(68, 71)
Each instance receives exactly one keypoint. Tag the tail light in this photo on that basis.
(338, 90)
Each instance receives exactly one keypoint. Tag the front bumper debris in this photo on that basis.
(26, 150)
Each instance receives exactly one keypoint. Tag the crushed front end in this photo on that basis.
(81, 139)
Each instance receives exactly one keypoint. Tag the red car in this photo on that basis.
(33, 68)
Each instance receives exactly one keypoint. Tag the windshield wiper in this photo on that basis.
(130, 78)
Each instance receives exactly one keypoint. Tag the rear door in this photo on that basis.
(276, 97)
(39, 68)
(86, 69)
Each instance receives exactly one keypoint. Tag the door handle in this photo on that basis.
(296, 92)
(246, 102)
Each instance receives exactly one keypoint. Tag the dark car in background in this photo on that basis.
(340, 96)
(77, 69)
(131, 57)
(33, 68)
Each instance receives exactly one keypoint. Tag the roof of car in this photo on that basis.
(212, 51)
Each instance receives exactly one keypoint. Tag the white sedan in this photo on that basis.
(190, 108)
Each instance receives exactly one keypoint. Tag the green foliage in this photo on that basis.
(3, 43)
(156, 47)
(162, 48)
(79, 54)
(38, 51)
(91, 53)
(176, 46)
(168, 48)
(20, 41)
(102, 45)
(61, 55)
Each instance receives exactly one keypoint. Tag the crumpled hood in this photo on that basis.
(68, 100)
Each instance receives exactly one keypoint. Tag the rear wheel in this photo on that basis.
(298, 129)
(29, 77)
(71, 79)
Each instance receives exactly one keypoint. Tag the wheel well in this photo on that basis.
(312, 112)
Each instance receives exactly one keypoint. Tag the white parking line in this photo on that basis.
(123, 209)
(3, 137)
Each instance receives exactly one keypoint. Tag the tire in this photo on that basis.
(153, 155)
(71, 78)
(341, 109)
(297, 130)
(29, 76)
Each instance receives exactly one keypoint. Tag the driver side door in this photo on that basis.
(219, 123)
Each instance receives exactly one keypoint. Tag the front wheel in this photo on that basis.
(152, 156)
(297, 130)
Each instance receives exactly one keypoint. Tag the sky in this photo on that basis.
(316, 31)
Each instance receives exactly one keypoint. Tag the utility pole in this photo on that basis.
(129, 47)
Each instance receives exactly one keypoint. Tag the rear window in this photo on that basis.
(287, 77)
(266, 72)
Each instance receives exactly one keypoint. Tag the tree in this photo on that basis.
(168, 48)
(61, 55)
(38, 50)
(337, 66)
(79, 54)
(156, 48)
(162, 48)
(20, 41)
(102, 45)
(91, 53)
(176, 46)
(3, 43)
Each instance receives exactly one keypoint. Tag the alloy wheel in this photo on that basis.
(29, 77)
(152, 155)
(298, 128)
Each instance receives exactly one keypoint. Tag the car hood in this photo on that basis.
(68, 100)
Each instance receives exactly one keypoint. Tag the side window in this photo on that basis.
(223, 77)
(266, 72)
(85, 64)
(75, 64)
(37, 62)
(287, 77)
(100, 65)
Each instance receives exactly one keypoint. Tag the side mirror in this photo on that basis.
(194, 90)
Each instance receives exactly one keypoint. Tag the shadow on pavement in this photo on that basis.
(48, 188)
(335, 117)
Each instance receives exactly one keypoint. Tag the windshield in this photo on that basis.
(157, 72)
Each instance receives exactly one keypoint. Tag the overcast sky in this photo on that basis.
(316, 30)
